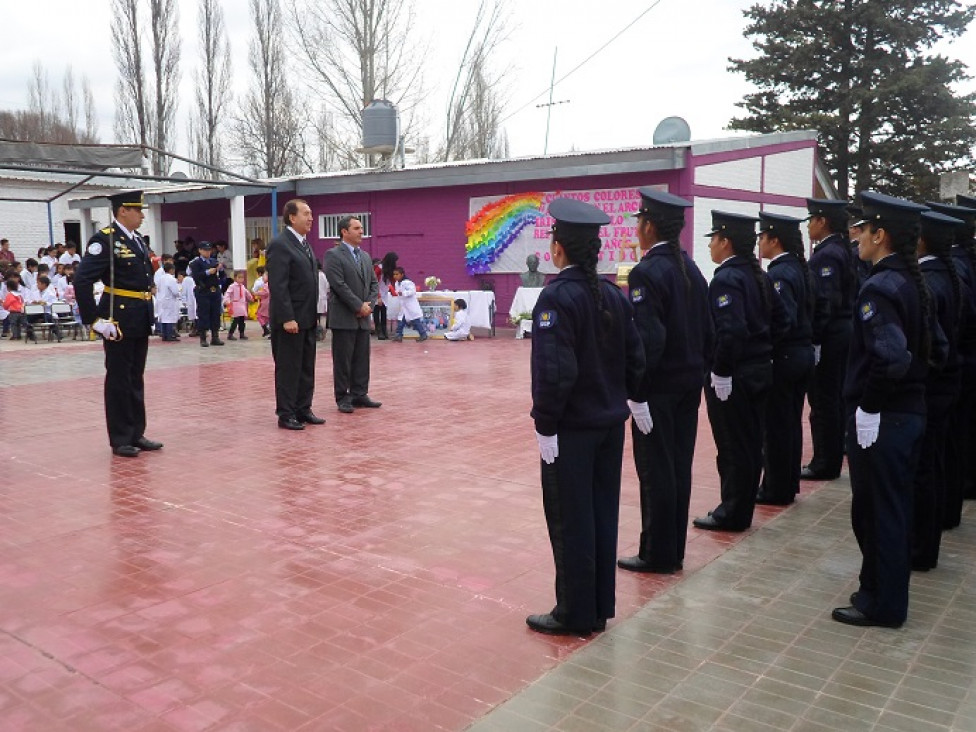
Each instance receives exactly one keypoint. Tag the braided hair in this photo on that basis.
(793, 243)
(939, 245)
(744, 245)
(583, 250)
(904, 243)
(668, 230)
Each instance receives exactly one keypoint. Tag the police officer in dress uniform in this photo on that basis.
(884, 399)
(833, 274)
(958, 443)
(123, 317)
(669, 296)
(781, 243)
(942, 387)
(587, 360)
(205, 271)
(748, 318)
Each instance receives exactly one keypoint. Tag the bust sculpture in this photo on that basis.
(533, 277)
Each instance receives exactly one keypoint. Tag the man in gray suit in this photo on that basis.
(352, 294)
(293, 285)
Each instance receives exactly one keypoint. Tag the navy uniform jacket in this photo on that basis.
(946, 380)
(201, 278)
(582, 372)
(790, 282)
(672, 320)
(884, 370)
(967, 326)
(133, 271)
(833, 275)
(744, 329)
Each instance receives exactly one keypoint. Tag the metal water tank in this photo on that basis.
(380, 126)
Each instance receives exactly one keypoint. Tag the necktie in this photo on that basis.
(308, 252)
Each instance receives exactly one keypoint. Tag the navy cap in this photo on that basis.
(964, 213)
(205, 245)
(968, 201)
(777, 224)
(939, 225)
(732, 224)
(825, 206)
(881, 208)
(130, 199)
(661, 204)
(572, 215)
(855, 213)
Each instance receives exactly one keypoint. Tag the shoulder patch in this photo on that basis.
(95, 248)
(547, 319)
(637, 294)
(868, 311)
(826, 271)
(723, 301)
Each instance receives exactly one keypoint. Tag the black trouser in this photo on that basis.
(379, 320)
(125, 404)
(208, 311)
(663, 461)
(881, 512)
(826, 400)
(737, 426)
(930, 485)
(783, 438)
(238, 323)
(581, 498)
(294, 359)
(350, 363)
(959, 452)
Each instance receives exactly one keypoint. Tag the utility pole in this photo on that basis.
(550, 104)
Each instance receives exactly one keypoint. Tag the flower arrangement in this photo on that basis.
(516, 319)
(432, 282)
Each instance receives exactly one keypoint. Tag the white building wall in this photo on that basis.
(789, 173)
(743, 175)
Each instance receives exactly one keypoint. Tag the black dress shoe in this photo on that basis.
(216, 342)
(143, 444)
(852, 616)
(346, 407)
(309, 418)
(710, 523)
(809, 473)
(636, 564)
(290, 424)
(126, 451)
(764, 500)
(600, 625)
(550, 626)
(365, 401)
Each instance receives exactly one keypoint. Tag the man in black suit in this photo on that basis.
(352, 294)
(118, 256)
(294, 288)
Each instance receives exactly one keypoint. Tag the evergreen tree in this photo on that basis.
(862, 73)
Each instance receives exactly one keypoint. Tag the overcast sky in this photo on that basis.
(670, 62)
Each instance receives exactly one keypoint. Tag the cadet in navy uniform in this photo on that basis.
(747, 317)
(587, 360)
(964, 254)
(117, 256)
(861, 268)
(669, 296)
(833, 274)
(781, 243)
(205, 271)
(884, 398)
(941, 387)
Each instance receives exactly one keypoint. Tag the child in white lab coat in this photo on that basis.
(410, 312)
(168, 302)
(461, 328)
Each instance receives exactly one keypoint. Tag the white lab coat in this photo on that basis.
(461, 328)
(409, 305)
(168, 299)
(188, 298)
(323, 304)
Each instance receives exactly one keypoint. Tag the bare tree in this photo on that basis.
(358, 51)
(91, 116)
(269, 130)
(132, 120)
(42, 101)
(213, 81)
(69, 98)
(475, 107)
(164, 24)
(52, 113)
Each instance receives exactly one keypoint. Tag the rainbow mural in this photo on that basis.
(497, 225)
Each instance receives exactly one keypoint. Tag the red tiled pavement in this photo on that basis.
(371, 573)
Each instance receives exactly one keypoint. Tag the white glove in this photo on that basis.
(867, 426)
(642, 416)
(548, 447)
(722, 386)
(816, 354)
(105, 329)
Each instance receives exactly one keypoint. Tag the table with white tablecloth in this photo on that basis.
(524, 302)
(481, 305)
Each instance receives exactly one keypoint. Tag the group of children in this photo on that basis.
(32, 284)
(411, 314)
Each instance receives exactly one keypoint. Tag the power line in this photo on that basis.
(583, 62)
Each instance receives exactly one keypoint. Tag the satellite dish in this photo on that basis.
(179, 174)
(671, 129)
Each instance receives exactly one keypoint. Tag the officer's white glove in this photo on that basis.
(722, 386)
(105, 329)
(867, 426)
(548, 447)
(642, 416)
(816, 354)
